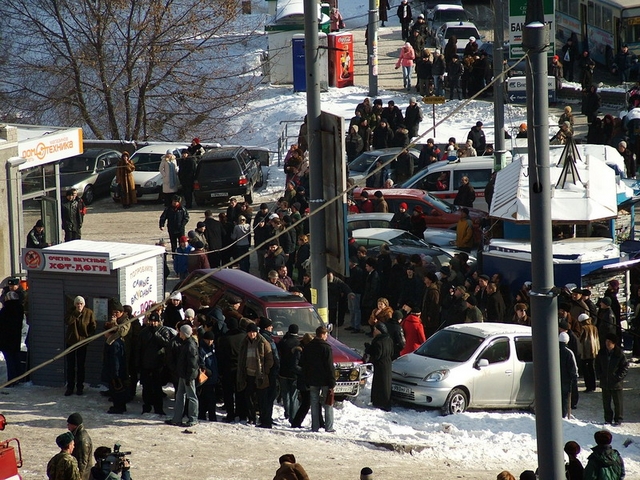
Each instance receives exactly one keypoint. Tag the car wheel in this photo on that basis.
(457, 402)
(260, 180)
(87, 195)
(248, 197)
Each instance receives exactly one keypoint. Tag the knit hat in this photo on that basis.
(583, 317)
(264, 206)
(75, 419)
(189, 313)
(293, 328)
(252, 327)
(471, 300)
(198, 245)
(184, 239)
(606, 301)
(472, 39)
(186, 330)
(403, 205)
(265, 323)
(64, 440)
(564, 325)
(176, 296)
(366, 474)
(355, 128)
(40, 223)
(208, 335)
(563, 337)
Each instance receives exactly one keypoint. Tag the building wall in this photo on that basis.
(8, 149)
(50, 297)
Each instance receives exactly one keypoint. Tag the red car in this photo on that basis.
(440, 214)
(260, 298)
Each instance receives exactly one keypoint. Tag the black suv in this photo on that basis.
(225, 172)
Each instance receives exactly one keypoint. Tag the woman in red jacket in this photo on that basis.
(412, 328)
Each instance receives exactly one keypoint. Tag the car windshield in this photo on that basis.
(221, 167)
(407, 239)
(450, 346)
(147, 162)
(306, 318)
(362, 163)
(450, 16)
(77, 164)
(461, 32)
(439, 203)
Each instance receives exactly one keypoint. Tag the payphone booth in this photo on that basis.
(97, 271)
(341, 70)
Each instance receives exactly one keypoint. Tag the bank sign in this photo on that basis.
(517, 15)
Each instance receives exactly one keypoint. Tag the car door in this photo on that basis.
(493, 383)
(106, 169)
(523, 388)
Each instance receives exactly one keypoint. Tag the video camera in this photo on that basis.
(116, 461)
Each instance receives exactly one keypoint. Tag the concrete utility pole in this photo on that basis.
(316, 200)
(372, 48)
(546, 356)
(498, 86)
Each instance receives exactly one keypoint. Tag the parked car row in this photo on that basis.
(93, 172)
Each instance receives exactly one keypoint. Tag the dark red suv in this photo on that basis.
(260, 298)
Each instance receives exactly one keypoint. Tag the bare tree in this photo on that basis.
(126, 69)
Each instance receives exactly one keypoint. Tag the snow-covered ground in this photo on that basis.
(397, 445)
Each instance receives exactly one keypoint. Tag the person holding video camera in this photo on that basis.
(110, 465)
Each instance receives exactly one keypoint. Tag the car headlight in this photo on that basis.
(437, 376)
(150, 183)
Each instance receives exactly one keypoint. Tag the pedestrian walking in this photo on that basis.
(611, 368)
(405, 61)
(126, 182)
(176, 218)
(318, 370)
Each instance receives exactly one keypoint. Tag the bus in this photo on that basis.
(600, 26)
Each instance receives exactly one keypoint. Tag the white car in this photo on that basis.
(444, 238)
(462, 30)
(147, 174)
(443, 13)
(473, 365)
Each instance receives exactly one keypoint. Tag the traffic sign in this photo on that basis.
(517, 89)
(432, 100)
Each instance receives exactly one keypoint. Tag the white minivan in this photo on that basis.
(443, 178)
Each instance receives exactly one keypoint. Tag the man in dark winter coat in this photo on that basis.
(11, 316)
(413, 117)
(187, 174)
(83, 447)
(36, 236)
(380, 353)
(176, 217)
(262, 231)
(382, 135)
(213, 233)
(207, 390)
(611, 368)
(455, 70)
(568, 58)
(393, 115)
(318, 370)
(371, 291)
(187, 369)
(466, 194)
(73, 211)
(150, 361)
(288, 376)
(405, 17)
(338, 292)
(477, 135)
(227, 349)
(606, 322)
(379, 177)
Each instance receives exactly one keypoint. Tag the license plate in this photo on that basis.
(343, 388)
(401, 389)
(220, 194)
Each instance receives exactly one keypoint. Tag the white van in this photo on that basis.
(443, 13)
(443, 178)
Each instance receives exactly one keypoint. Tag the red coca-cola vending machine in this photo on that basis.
(340, 59)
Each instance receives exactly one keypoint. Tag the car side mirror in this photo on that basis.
(330, 327)
(482, 363)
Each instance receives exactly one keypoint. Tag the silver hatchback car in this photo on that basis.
(478, 365)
